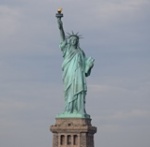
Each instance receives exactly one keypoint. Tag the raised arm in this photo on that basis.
(60, 26)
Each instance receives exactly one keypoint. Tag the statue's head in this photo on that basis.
(74, 39)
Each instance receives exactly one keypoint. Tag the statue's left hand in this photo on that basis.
(88, 66)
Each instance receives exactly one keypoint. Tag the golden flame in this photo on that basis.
(59, 10)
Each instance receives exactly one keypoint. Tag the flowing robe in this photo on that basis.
(74, 73)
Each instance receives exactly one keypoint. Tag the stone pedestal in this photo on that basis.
(73, 132)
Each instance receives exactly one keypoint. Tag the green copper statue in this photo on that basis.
(76, 67)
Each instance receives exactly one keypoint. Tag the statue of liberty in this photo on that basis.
(76, 67)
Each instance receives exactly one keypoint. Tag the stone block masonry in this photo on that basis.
(73, 132)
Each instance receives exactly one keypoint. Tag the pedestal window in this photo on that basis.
(62, 140)
(75, 140)
(69, 140)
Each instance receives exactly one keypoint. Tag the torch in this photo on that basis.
(59, 14)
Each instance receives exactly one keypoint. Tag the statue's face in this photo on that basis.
(73, 40)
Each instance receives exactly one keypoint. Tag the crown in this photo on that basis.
(74, 34)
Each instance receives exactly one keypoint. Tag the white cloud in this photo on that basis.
(137, 113)
(9, 21)
(117, 121)
(109, 128)
(106, 88)
(112, 10)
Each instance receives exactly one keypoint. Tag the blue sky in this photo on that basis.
(115, 32)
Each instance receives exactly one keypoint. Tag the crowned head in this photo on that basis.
(74, 38)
